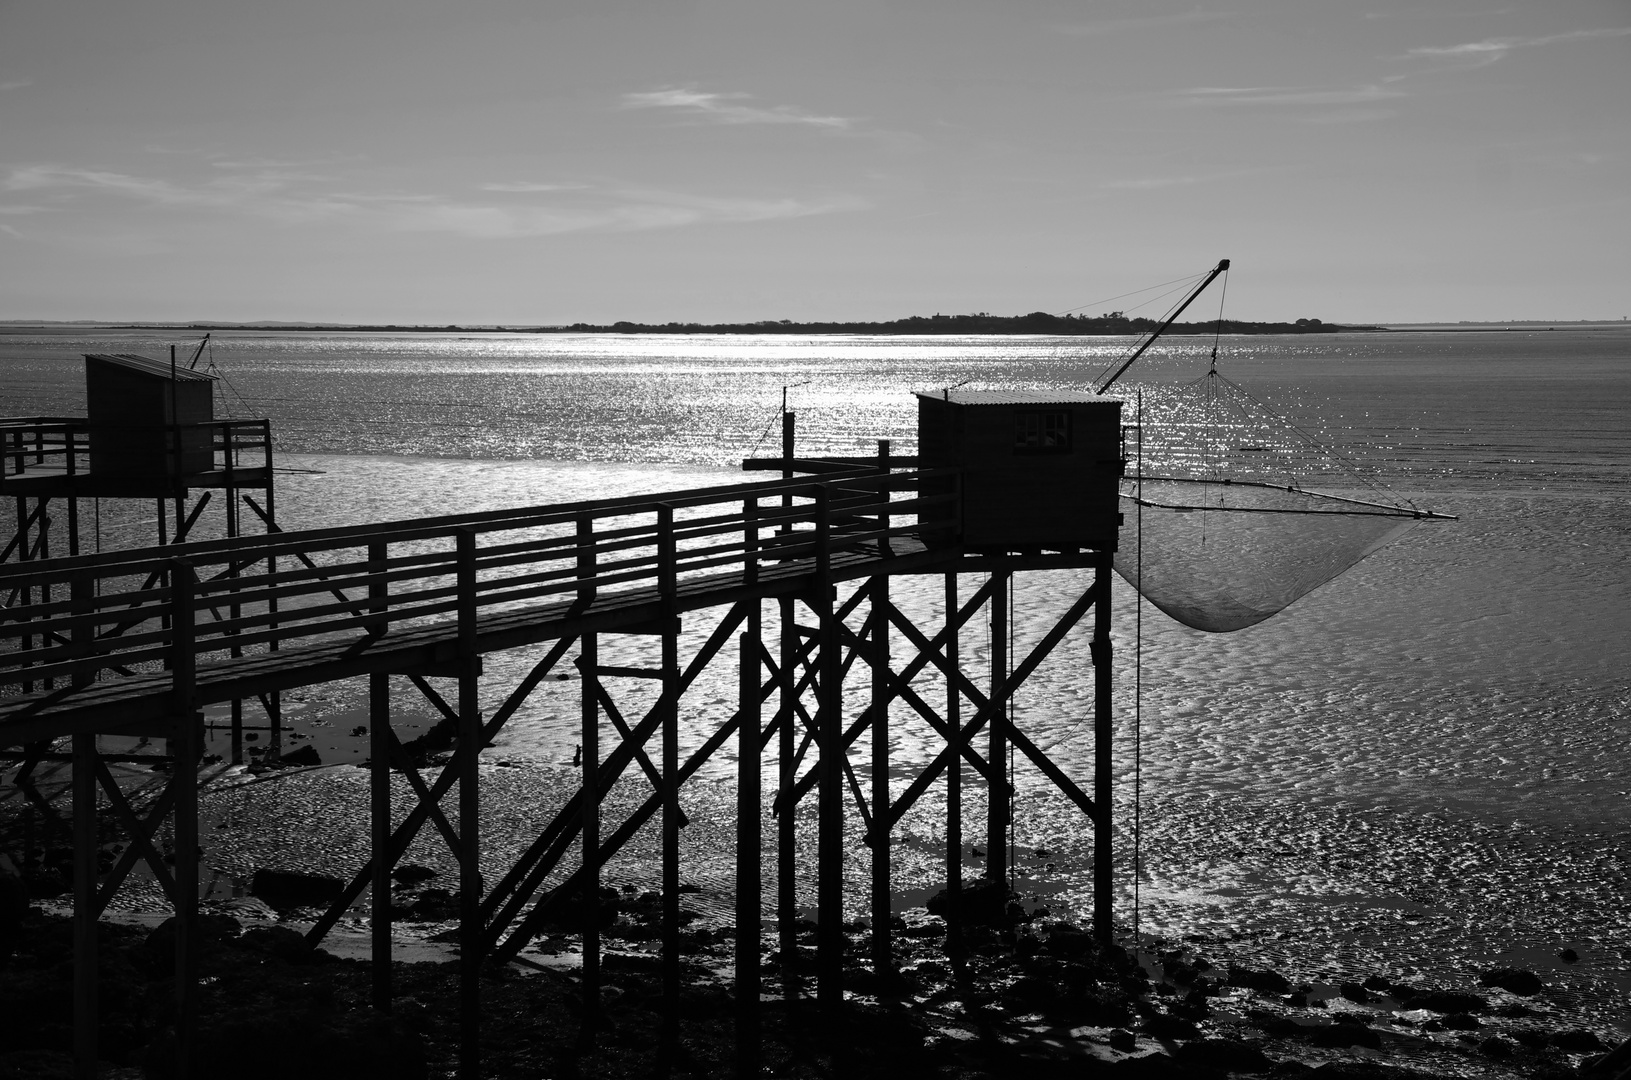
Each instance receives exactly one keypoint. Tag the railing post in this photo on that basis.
(822, 515)
(667, 553)
(586, 560)
(884, 491)
(750, 541)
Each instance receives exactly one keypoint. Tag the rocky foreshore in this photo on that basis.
(1033, 996)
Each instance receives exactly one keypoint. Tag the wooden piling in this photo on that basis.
(749, 838)
(667, 585)
(184, 779)
(998, 805)
(882, 960)
(589, 751)
(1103, 731)
(379, 797)
(954, 791)
(469, 755)
(830, 769)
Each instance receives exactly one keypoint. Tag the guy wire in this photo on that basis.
(1138, 666)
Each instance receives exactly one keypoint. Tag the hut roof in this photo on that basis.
(146, 365)
(1014, 397)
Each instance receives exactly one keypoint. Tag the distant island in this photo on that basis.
(1037, 322)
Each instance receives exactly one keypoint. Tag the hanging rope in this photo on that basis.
(1138, 673)
(1179, 282)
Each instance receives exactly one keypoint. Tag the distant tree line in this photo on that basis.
(983, 322)
(1037, 322)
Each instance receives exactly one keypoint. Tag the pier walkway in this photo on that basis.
(138, 642)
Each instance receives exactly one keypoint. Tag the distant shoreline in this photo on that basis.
(1036, 324)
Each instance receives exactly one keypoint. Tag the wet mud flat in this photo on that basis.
(1271, 938)
(1031, 997)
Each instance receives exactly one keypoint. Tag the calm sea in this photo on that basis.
(1428, 754)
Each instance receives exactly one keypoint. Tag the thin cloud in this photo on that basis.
(528, 187)
(1148, 22)
(729, 108)
(1288, 95)
(15, 84)
(1153, 183)
(553, 208)
(1157, 183)
(1480, 53)
(617, 211)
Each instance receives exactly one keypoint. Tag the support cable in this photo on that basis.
(1138, 671)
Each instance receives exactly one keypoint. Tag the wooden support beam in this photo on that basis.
(471, 738)
(184, 778)
(955, 951)
(928, 652)
(589, 750)
(1103, 730)
(999, 794)
(425, 807)
(786, 778)
(748, 840)
(85, 860)
(530, 869)
(589, 694)
(381, 741)
(85, 910)
(986, 709)
(882, 959)
(830, 770)
(534, 921)
(669, 705)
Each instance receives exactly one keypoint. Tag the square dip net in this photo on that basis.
(1219, 528)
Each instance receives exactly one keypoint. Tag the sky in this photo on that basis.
(555, 161)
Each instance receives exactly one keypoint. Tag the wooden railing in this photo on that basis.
(73, 621)
(66, 443)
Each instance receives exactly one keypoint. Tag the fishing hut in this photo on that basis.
(1036, 469)
(151, 450)
(787, 578)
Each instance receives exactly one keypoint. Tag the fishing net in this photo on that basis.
(1218, 528)
(1220, 555)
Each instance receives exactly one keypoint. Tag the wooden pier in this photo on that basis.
(137, 642)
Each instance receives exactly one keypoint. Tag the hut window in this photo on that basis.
(1038, 432)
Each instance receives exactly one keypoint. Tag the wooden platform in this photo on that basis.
(264, 615)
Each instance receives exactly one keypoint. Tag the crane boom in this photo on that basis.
(1223, 264)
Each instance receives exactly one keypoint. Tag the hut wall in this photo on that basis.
(131, 412)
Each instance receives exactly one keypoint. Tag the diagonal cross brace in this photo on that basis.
(574, 881)
(1016, 737)
(405, 832)
(909, 672)
(607, 705)
(540, 857)
(987, 709)
(142, 831)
